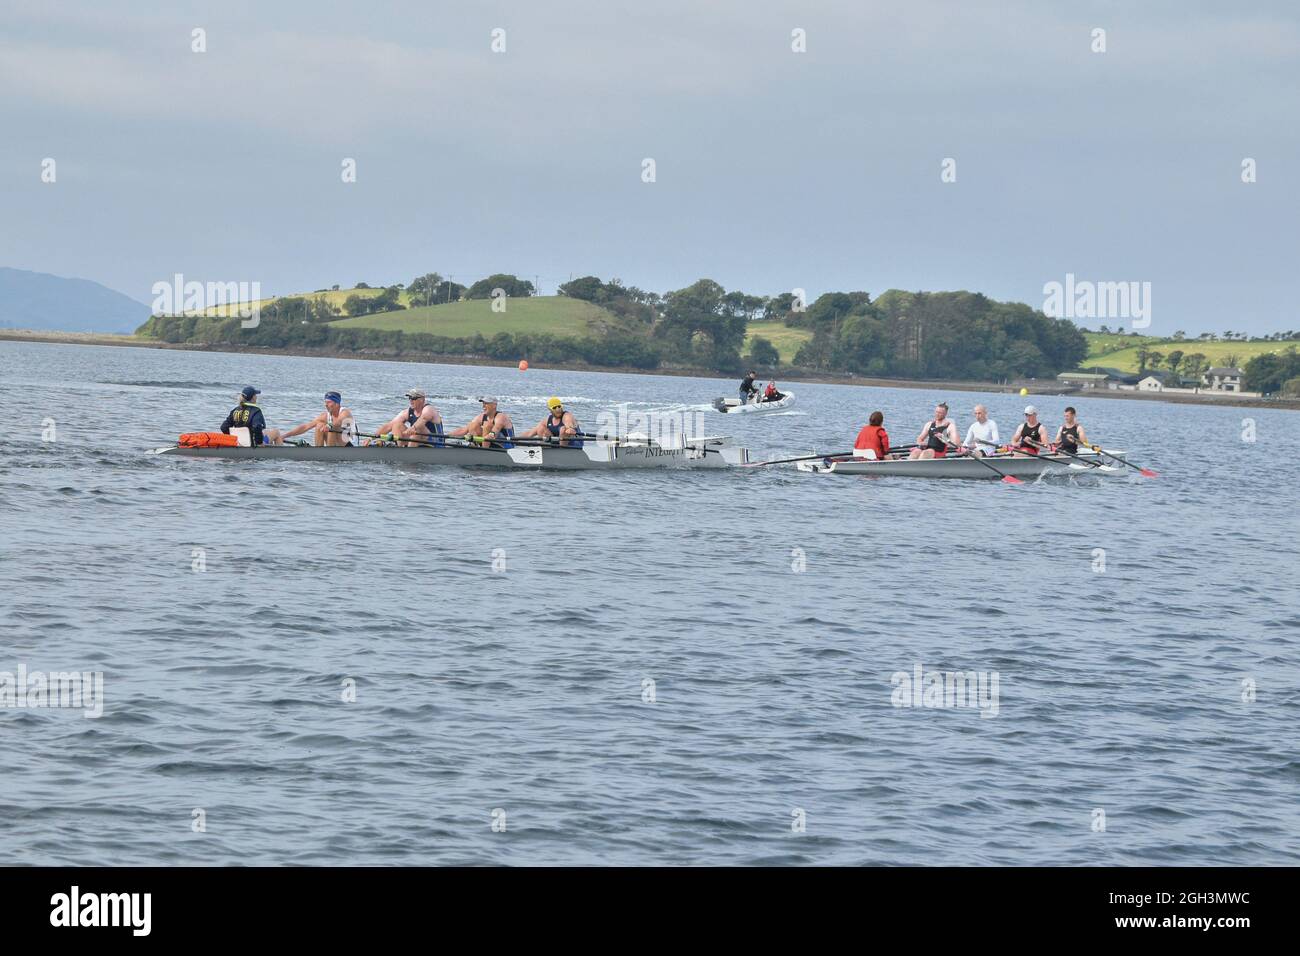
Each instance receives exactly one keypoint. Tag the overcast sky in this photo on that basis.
(774, 169)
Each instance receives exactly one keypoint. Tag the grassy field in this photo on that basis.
(786, 339)
(550, 314)
(1120, 351)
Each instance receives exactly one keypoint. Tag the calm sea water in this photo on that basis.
(672, 668)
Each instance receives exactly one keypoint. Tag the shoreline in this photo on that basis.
(114, 340)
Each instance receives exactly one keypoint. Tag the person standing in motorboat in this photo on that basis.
(748, 390)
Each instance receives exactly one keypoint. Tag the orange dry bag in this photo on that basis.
(206, 440)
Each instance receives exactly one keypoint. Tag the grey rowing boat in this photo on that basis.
(953, 466)
(594, 455)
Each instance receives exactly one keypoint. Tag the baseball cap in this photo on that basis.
(248, 391)
(334, 397)
(414, 393)
(486, 400)
(553, 402)
(1030, 410)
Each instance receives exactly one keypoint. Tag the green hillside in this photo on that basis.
(786, 339)
(1120, 351)
(550, 315)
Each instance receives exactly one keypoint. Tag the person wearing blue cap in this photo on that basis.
(334, 426)
(248, 415)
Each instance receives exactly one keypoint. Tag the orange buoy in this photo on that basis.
(523, 365)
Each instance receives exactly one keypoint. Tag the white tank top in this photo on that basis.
(349, 434)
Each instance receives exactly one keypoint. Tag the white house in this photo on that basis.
(1151, 383)
(1223, 379)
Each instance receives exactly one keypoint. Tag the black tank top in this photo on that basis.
(1070, 438)
(934, 431)
(1032, 433)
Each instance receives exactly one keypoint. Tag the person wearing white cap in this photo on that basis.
(488, 427)
(559, 425)
(982, 436)
(419, 425)
(1030, 430)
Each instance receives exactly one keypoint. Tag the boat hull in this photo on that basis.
(594, 456)
(1027, 466)
(732, 406)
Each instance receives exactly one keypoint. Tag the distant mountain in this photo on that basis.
(37, 300)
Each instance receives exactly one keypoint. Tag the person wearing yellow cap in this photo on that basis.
(558, 425)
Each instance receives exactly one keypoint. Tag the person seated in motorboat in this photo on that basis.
(938, 435)
(982, 436)
(1071, 435)
(334, 426)
(1030, 433)
(490, 427)
(770, 394)
(248, 415)
(748, 390)
(559, 425)
(419, 426)
(873, 440)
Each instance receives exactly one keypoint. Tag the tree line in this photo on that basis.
(939, 335)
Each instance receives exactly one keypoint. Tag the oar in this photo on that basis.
(1146, 472)
(1101, 466)
(785, 461)
(838, 454)
(1007, 479)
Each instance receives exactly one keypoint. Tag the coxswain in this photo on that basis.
(334, 426)
(559, 424)
(937, 436)
(873, 440)
(488, 427)
(982, 436)
(1071, 435)
(1030, 433)
(248, 414)
(748, 390)
(419, 425)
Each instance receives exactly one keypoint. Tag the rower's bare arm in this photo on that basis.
(1083, 437)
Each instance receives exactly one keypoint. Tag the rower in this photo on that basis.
(489, 427)
(1071, 435)
(419, 425)
(938, 435)
(873, 440)
(1030, 430)
(982, 436)
(558, 424)
(748, 390)
(334, 426)
(248, 414)
(770, 394)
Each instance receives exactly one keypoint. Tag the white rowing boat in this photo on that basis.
(734, 406)
(595, 455)
(953, 466)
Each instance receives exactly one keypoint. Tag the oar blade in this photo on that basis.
(1011, 480)
(1148, 473)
